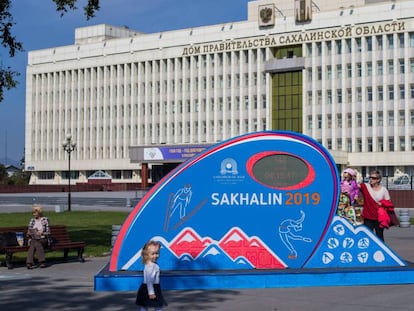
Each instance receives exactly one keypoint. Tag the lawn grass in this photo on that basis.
(92, 227)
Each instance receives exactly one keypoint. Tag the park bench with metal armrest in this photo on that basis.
(59, 240)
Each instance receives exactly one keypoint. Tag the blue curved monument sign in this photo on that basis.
(263, 201)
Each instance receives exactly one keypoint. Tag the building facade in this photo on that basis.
(341, 72)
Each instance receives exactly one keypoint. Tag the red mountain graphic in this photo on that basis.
(235, 243)
(189, 242)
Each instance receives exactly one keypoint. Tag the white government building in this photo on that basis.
(339, 71)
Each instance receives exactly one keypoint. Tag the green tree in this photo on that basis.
(19, 178)
(12, 45)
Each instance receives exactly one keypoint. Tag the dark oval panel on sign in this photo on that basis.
(280, 170)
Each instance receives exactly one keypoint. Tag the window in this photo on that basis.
(359, 70)
(369, 44)
(380, 144)
(359, 119)
(379, 42)
(339, 70)
(329, 97)
(390, 118)
(49, 175)
(310, 122)
(338, 47)
(401, 65)
(402, 144)
(329, 72)
(380, 118)
(369, 119)
(402, 91)
(319, 49)
(401, 40)
(310, 98)
(349, 95)
(358, 44)
(391, 143)
(319, 125)
(329, 47)
(359, 144)
(349, 70)
(401, 116)
(348, 45)
(329, 121)
(329, 143)
(359, 94)
(369, 144)
(309, 49)
(412, 39)
(339, 96)
(339, 144)
(380, 68)
(369, 94)
(390, 67)
(391, 92)
(339, 120)
(369, 69)
(349, 119)
(380, 93)
(390, 40)
(319, 70)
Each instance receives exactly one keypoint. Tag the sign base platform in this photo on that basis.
(233, 279)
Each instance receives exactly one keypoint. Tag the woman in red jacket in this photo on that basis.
(373, 193)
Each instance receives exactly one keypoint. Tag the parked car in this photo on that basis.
(402, 182)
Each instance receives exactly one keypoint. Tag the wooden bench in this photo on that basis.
(61, 241)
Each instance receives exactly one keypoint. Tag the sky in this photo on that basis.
(39, 26)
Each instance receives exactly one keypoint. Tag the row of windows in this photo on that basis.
(356, 119)
(382, 144)
(357, 45)
(86, 93)
(185, 132)
(357, 70)
(115, 174)
(390, 94)
(114, 111)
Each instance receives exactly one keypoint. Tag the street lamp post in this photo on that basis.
(68, 145)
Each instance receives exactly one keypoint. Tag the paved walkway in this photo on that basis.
(70, 286)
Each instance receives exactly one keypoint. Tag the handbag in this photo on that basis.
(51, 241)
(383, 218)
(8, 239)
(389, 207)
(393, 217)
